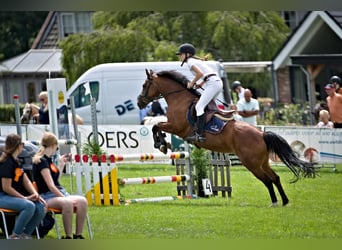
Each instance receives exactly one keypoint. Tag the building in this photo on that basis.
(305, 62)
(300, 68)
(25, 75)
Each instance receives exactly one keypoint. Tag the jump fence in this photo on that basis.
(219, 174)
(98, 180)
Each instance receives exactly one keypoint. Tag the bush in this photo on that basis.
(287, 115)
(7, 113)
(200, 160)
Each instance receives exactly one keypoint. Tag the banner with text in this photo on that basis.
(320, 145)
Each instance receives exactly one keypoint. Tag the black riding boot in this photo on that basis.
(198, 135)
(200, 128)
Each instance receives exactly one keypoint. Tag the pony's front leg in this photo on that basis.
(159, 139)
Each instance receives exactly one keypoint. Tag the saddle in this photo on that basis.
(215, 118)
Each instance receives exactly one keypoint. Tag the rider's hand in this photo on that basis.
(190, 85)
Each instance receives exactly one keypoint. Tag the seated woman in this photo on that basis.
(17, 192)
(46, 175)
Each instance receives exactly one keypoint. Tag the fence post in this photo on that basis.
(77, 136)
(114, 178)
(17, 114)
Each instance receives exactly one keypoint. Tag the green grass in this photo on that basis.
(314, 211)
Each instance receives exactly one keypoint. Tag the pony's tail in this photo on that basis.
(278, 145)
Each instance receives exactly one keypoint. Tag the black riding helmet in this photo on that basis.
(186, 48)
(235, 84)
(335, 79)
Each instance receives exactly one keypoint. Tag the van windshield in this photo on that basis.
(85, 92)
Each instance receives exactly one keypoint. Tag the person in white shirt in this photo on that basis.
(207, 79)
(248, 108)
(324, 120)
(237, 87)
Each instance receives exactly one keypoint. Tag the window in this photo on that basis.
(291, 18)
(75, 22)
(31, 92)
(85, 93)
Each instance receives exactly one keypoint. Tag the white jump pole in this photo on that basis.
(152, 180)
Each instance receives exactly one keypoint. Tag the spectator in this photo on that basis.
(334, 101)
(324, 120)
(46, 174)
(17, 192)
(143, 113)
(336, 80)
(238, 89)
(156, 109)
(44, 109)
(237, 117)
(248, 108)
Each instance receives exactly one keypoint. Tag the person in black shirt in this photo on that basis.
(44, 111)
(17, 192)
(46, 175)
(156, 109)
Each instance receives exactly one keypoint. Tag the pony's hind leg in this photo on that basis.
(276, 181)
(256, 166)
(264, 178)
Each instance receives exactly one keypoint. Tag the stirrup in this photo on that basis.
(195, 137)
(200, 138)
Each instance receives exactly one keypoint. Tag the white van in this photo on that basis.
(116, 86)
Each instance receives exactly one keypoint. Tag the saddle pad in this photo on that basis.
(214, 126)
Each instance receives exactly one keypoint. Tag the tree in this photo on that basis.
(155, 36)
(82, 51)
(18, 30)
(246, 36)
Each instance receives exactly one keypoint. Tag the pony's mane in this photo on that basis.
(177, 77)
(34, 105)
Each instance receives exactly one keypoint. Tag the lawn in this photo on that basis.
(314, 211)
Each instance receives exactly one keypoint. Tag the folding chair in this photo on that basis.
(55, 211)
(4, 212)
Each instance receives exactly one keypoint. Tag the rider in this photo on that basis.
(210, 82)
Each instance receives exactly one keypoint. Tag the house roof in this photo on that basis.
(247, 67)
(46, 38)
(34, 61)
(320, 32)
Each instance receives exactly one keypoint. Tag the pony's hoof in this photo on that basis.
(163, 149)
(285, 203)
(169, 145)
(274, 204)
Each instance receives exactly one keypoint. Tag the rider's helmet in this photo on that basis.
(235, 84)
(335, 79)
(186, 48)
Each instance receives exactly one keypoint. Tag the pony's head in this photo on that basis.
(28, 112)
(149, 91)
(156, 86)
(26, 115)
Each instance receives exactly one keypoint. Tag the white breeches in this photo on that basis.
(212, 88)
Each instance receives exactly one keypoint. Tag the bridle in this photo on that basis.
(147, 99)
(29, 109)
(28, 113)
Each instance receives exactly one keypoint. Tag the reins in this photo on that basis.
(150, 82)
